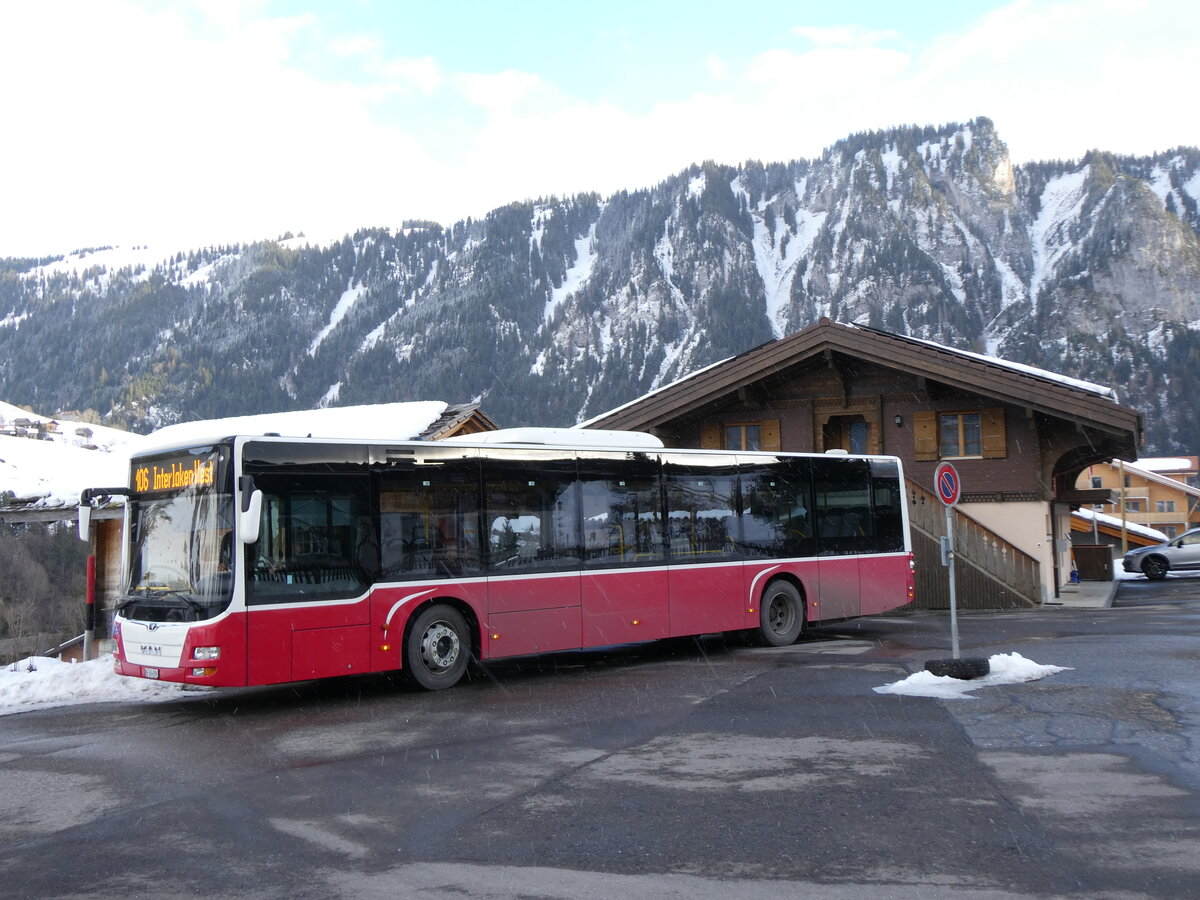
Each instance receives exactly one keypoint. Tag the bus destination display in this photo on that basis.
(174, 475)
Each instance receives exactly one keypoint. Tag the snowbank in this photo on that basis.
(1010, 668)
(39, 682)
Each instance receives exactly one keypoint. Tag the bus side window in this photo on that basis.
(842, 491)
(622, 510)
(702, 519)
(317, 539)
(429, 522)
(532, 516)
(776, 504)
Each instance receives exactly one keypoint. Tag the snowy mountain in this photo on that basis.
(551, 311)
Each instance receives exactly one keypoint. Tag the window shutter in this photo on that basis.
(995, 446)
(925, 435)
(710, 437)
(770, 435)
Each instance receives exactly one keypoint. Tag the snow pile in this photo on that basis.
(1006, 668)
(40, 682)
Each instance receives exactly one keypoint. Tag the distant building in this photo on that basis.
(1159, 493)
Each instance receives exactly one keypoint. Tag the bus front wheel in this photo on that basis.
(781, 615)
(437, 648)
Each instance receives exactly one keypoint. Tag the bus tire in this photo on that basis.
(437, 648)
(780, 614)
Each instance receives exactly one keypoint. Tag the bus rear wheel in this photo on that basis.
(781, 615)
(437, 648)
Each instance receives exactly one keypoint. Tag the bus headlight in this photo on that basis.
(206, 653)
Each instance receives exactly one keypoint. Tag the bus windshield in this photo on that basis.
(180, 539)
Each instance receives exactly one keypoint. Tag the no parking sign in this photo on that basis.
(947, 485)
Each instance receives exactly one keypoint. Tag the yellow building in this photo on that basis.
(1161, 493)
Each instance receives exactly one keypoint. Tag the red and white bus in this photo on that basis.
(256, 560)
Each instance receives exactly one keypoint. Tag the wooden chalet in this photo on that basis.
(1017, 435)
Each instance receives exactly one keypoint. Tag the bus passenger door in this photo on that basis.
(842, 497)
(307, 579)
(532, 528)
(839, 592)
(705, 575)
(625, 584)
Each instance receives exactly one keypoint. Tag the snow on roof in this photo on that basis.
(1166, 464)
(384, 421)
(1151, 475)
(1019, 367)
(1113, 522)
(567, 437)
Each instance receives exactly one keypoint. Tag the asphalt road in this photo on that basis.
(697, 769)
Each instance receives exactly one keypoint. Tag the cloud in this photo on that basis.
(844, 36)
(197, 123)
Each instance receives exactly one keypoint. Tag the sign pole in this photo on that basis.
(948, 488)
(953, 593)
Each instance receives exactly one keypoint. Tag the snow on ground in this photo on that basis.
(1006, 668)
(345, 303)
(578, 275)
(52, 470)
(39, 682)
(54, 474)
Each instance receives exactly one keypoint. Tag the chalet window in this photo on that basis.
(1133, 506)
(1169, 530)
(743, 437)
(961, 434)
(761, 435)
(941, 435)
(1164, 506)
(1097, 481)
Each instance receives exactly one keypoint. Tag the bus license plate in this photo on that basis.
(150, 673)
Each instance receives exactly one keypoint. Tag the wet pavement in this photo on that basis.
(697, 768)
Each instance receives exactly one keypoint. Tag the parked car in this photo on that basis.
(1155, 561)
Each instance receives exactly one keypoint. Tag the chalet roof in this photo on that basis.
(1150, 475)
(459, 418)
(1026, 386)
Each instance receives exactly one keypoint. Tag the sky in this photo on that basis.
(184, 123)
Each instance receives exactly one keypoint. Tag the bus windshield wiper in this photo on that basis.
(181, 599)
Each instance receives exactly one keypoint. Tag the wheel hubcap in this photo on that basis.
(439, 647)
(779, 615)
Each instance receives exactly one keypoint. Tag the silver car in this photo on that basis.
(1182, 552)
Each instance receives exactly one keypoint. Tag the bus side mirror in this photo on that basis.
(85, 521)
(251, 518)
